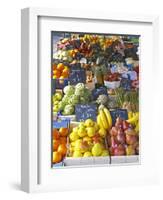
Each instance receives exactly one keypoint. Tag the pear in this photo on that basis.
(105, 153)
(102, 132)
(97, 149)
(82, 131)
(91, 131)
(89, 123)
(87, 154)
(77, 154)
(73, 136)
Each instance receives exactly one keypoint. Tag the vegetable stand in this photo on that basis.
(95, 99)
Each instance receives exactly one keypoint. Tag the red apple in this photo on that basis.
(114, 131)
(131, 139)
(125, 125)
(119, 150)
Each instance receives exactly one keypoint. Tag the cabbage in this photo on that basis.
(69, 90)
(68, 110)
(74, 99)
(79, 87)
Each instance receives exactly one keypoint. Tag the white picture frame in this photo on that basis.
(31, 145)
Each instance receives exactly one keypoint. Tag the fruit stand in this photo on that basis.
(95, 99)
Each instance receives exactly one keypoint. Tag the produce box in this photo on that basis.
(119, 160)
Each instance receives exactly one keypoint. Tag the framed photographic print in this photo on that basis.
(88, 116)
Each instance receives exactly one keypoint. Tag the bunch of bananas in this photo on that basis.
(133, 118)
(104, 119)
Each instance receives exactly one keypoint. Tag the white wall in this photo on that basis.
(10, 95)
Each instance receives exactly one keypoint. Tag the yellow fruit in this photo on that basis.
(78, 144)
(108, 116)
(96, 126)
(87, 154)
(75, 129)
(73, 136)
(82, 132)
(97, 149)
(99, 122)
(134, 119)
(130, 115)
(105, 153)
(77, 154)
(102, 132)
(91, 131)
(104, 119)
(89, 123)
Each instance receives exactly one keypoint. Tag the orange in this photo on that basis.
(63, 131)
(56, 73)
(57, 157)
(63, 140)
(65, 73)
(54, 66)
(62, 149)
(60, 66)
(55, 134)
(56, 143)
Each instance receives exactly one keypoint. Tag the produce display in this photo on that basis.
(95, 98)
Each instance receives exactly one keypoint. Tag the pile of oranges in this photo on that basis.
(60, 71)
(59, 144)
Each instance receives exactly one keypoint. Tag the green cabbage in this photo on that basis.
(69, 90)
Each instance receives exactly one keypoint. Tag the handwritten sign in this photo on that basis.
(85, 111)
(59, 84)
(77, 76)
(122, 113)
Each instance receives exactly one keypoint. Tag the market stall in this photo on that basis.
(95, 99)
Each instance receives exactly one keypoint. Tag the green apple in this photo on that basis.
(97, 149)
(102, 132)
(55, 108)
(78, 144)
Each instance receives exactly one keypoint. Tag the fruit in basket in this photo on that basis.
(114, 131)
(78, 143)
(105, 153)
(82, 131)
(63, 140)
(104, 119)
(131, 139)
(130, 150)
(97, 149)
(84, 146)
(57, 157)
(55, 134)
(91, 131)
(102, 132)
(87, 154)
(73, 136)
(56, 144)
(89, 123)
(63, 131)
(62, 149)
(119, 150)
(77, 154)
(58, 96)
(60, 66)
(121, 138)
(97, 139)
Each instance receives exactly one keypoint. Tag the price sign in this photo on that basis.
(98, 91)
(77, 76)
(122, 113)
(85, 111)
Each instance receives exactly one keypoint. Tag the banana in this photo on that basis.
(130, 115)
(108, 116)
(103, 119)
(137, 128)
(99, 122)
(134, 119)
